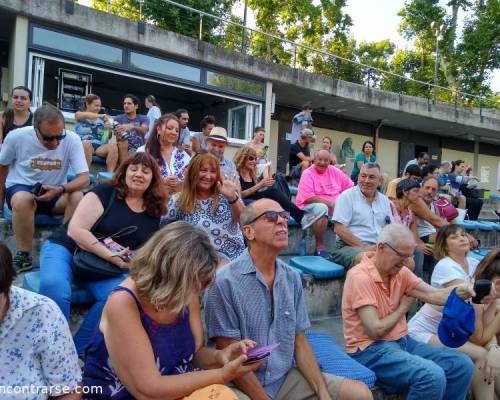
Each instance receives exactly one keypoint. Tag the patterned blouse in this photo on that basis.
(404, 220)
(36, 349)
(225, 234)
(178, 163)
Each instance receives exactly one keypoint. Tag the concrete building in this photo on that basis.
(63, 50)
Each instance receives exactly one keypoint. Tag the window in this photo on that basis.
(242, 120)
(80, 47)
(224, 81)
(164, 67)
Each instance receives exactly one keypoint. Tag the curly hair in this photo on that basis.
(155, 196)
(240, 159)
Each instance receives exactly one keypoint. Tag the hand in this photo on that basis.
(425, 249)
(172, 183)
(406, 303)
(492, 365)
(465, 291)
(233, 351)
(50, 192)
(118, 258)
(104, 117)
(235, 368)
(266, 182)
(473, 242)
(227, 189)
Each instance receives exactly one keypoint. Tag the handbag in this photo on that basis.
(89, 266)
(445, 209)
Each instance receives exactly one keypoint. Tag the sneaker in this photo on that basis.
(22, 261)
(496, 213)
(313, 212)
(322, 253)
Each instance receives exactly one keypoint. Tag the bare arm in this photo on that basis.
(141, 130)
(303, 157)
(195, 143)
(421, 210)
(438, 297)
(248, 384)
(308, 366)
(347, 236)
(83, 115)
(377, 328)
(4, 171)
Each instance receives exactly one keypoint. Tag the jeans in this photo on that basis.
(427, 371)
(418, 257)
(56, 278)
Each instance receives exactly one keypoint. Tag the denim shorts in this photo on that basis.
(42, 207)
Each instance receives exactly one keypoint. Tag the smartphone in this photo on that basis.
(258, 353)
(482, 287)
(38, 189)
(116, 247)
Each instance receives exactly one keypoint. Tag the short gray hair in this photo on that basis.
(247, 215)
(395, 233)
(306, 132)
(47, 113)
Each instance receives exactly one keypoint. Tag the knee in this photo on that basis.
(464, 365)
(354, 390)
(434, 377)
(112, 149)
(23, 202)
(87, 145)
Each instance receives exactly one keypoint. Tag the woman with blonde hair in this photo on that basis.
(212, 204)
(254, 188)
(150, 338)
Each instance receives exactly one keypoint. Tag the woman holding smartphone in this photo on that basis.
(136, 199)
(454, 268)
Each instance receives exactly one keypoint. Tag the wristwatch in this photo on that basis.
(236, 198)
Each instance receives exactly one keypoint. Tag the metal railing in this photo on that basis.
(372, 77)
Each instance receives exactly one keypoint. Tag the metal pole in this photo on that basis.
(200, 33)
(243, 34)
(436, 68)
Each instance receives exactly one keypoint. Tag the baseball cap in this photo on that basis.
(218, 133)
(458, 321)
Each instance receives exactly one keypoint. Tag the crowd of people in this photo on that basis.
(147, 244)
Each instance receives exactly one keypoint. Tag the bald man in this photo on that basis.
(321, 183)
(259, 297)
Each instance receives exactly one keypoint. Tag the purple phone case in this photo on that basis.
(261, 350)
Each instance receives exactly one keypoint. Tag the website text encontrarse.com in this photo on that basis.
(49, 390)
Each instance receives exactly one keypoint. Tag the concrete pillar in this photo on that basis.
(476, 156)
(18, 56)
(268, 110)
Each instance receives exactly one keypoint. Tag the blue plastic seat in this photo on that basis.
(469, 225)
(494, 225)
(104, 176)
(71, 176)
(495, 197)
(479, 254)
(98, 160)
(79, 295)
(40, 219)
(293, 190)
(318, 267)
(292, 222)
(484, 226)
(333, 360)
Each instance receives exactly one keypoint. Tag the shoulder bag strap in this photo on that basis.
(106, 210)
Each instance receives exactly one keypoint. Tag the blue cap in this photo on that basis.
(457, 323)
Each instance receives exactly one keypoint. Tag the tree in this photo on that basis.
(171, 17)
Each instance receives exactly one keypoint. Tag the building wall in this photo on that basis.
(488, 166)
(18, 53)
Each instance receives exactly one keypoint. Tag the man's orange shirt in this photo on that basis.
(364, 287)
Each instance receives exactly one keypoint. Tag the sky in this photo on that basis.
(373, 20)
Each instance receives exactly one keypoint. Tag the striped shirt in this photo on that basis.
(240, 306)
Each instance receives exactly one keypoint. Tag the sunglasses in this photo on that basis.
(251, 158)
(272, 216)
(398, 252)
(49, 138)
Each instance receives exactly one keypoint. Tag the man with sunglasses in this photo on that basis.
(34, 163)
(259, 297)
(378, 292)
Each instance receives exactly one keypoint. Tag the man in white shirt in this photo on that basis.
(38, 155)
(360, 214)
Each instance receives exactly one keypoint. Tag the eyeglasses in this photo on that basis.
(401, 255)
(251, 158)
(49, 138)
(272, 216)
